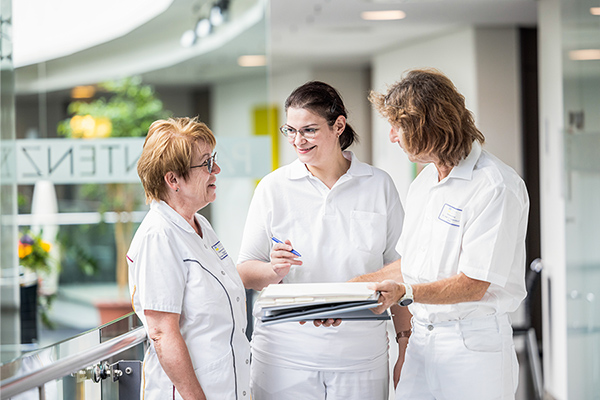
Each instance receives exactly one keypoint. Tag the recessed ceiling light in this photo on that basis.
(252, 61)
(595, 10)
(584, 55)
(188, 38)
(382, 15)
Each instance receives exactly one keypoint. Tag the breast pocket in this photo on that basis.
(368, 231)
(445, 245)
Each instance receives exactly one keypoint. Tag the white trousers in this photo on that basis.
(269, 382)
(460, 360)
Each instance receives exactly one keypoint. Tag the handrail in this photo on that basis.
(68, 365)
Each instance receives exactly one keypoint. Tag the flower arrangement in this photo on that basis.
(34, 253)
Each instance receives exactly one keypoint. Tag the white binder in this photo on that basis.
(350, 301)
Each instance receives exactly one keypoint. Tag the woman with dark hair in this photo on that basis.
(345, 218)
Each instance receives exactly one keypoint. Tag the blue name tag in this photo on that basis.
(220, 250)
(450, 215)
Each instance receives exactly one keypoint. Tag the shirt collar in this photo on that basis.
(298, 169)
(171, 215)
(464, 169)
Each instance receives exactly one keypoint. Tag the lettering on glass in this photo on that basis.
(74, 161)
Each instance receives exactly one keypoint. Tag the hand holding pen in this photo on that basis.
(283, 256)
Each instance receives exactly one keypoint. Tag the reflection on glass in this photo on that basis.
(74, 386)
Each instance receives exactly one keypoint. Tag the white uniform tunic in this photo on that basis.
(172, 269)
(473, 221)
(349, 230)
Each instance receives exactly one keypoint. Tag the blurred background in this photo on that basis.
(80, 82)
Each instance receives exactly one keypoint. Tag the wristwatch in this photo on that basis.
(407, 299)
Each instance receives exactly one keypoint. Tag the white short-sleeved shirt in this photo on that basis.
(172, 269)
(474, 221)
(341, 233)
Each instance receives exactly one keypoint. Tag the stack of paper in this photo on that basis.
(350, 301)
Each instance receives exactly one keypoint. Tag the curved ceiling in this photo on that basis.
(45, 30)
(292, 32)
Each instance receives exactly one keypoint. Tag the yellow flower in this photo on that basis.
(45, 246)
(25, 250)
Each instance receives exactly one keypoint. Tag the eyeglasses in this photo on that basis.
(290, 133)
(210, 163)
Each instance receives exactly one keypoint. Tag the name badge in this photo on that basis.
(450, 215)
(220, 250)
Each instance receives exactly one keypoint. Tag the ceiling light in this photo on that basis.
(252, 61)
(216, 16)
(188, 38)
(595, 10)
(584, 55)
(382, 15)
(203, 28)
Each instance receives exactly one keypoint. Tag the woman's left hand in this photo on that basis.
(325, 322)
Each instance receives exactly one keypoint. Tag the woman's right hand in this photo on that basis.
(282, 258)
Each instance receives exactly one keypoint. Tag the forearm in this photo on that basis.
(456, 289)
(391, 271)
(257, 274)
(175, 360)
(401, 318)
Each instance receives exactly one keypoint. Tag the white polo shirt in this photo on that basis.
(173, 269)
(349, 230)
(474, 221)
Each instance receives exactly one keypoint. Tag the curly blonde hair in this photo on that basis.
(169, 146)
(432, 115)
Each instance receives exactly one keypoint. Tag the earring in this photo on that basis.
(177, 190)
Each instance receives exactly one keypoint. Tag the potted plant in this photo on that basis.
(126, 109)
(34, 257)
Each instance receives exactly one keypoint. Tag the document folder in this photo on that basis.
(350, 301)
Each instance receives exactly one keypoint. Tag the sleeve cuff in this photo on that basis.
(486, 276)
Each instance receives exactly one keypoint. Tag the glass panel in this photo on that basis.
(581, 83)
(583, 263)
(9, 275)
(71, 387)
(205, 79)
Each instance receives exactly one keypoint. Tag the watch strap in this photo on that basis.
(403, 334)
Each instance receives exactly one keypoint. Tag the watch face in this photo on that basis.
(405, 302)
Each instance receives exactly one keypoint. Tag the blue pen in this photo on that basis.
(279, 241)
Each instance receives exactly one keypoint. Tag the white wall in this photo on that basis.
(498, 94)
(232, 105)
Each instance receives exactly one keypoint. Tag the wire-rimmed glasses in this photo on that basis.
(209, 163)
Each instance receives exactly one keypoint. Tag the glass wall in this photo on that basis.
(581, 83)
(9, 277)
(77, 184)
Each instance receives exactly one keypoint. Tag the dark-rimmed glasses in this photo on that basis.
(290, 133)
(209, 163)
